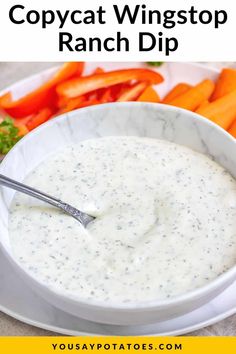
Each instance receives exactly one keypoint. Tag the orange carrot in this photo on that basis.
(80, 104)
(23, 130)
(149, 95)
(130, 94)
(176, 91)
(61, 102)
(22, 121)
(65, 72)
(89, 103)
(72, 104)
(232, 129)
(204, 104)
(221, 111)
(226, 83)
(192, 99)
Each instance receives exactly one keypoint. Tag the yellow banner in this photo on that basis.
(183, 345)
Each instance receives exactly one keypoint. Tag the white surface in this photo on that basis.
(220, 301)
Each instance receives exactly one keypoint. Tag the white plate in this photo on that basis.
(19, 301)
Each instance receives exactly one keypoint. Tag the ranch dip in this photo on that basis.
(166, 221)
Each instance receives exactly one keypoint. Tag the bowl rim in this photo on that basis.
(132, 305)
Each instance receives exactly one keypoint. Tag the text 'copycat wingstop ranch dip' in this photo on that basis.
(166, 220)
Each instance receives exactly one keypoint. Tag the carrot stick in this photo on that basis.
(130, 94)
(61, 102)
(72, 104)
(149, 95)
(22, 121)
(176, 91)
(221, 111)
(192, 99)
(204, 104)
(226, 83)
(232, 129)
(23, 130)
(66, 71)
(89, 103)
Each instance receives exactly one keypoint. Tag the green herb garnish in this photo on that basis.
(9, 135)
(155, 63)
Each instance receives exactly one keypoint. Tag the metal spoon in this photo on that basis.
(83, 218)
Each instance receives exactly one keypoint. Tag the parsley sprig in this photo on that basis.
(155, 63)
(9, 135)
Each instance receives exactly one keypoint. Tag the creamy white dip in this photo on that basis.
(166, 220)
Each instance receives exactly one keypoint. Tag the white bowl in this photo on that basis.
(136, 119)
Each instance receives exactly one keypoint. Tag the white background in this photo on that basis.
(196, 42)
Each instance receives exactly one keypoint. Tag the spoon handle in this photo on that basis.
(20, 187)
